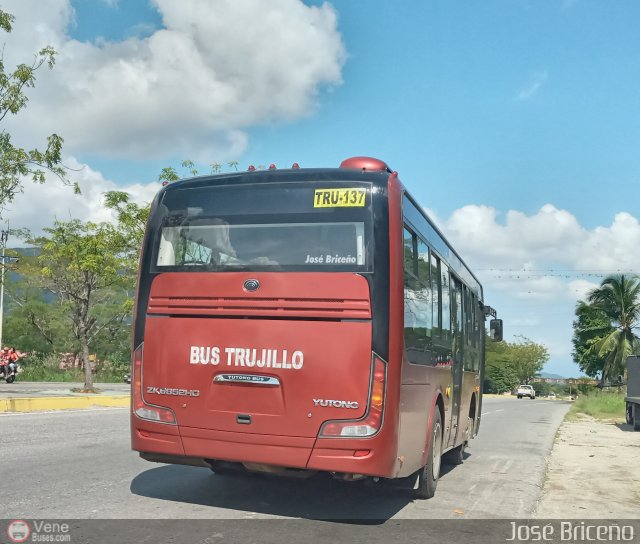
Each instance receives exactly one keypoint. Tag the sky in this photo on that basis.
(514, 123)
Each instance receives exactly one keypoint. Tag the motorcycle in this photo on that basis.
(8, 374)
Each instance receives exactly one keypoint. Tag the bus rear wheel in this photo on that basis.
(429, 474)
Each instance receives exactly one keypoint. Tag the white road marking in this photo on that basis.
(492, 412)
(105, 409)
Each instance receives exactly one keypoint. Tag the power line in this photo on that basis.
(536, 273)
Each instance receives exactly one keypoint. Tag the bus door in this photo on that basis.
(457, 341)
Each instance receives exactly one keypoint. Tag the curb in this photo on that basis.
(36, 404)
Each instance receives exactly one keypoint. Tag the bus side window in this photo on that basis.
(424, 277)
(470, 353)
(472, 319)
(468, 313)
(417, 301)
(445, 294)
(457, 328)
(410, 302)
(409, 252)
(435, 293)
(478, 318)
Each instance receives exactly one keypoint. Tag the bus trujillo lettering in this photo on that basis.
(305, 320)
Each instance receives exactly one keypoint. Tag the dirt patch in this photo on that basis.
(593, 471)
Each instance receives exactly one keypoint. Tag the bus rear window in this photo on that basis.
(258, 227)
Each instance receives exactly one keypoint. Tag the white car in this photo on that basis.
(526, 391)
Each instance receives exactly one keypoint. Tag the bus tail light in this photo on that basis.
(372, 421)
(140, 407)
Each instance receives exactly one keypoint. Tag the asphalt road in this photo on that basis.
(77, 464)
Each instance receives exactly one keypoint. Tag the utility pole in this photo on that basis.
(4, 236)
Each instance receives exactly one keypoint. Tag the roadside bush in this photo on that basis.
(113, 369)
(39, 367)
(601, 405)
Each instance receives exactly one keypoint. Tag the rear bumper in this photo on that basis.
(191, 446)
(246, 447)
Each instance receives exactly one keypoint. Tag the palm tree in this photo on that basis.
(619, 298)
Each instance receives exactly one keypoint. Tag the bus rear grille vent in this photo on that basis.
(283, 307)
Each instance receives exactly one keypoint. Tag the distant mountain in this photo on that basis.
(27, 251)
(551, 375)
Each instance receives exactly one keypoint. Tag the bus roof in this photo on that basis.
(377, 173)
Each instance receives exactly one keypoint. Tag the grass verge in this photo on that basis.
(601, 405)
(30, 374)
(46, 368)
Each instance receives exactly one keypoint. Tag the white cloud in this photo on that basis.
(535, 267)
(528, 91)
(40, 205)
(550, 238)
(190, 89)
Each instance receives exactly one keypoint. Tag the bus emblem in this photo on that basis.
(251, 285)
(336, 403)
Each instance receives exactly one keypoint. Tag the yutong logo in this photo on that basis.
(174, 392)
(336, 403)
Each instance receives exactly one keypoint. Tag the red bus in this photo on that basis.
(305, 320)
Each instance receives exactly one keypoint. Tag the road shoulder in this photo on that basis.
(592, 472)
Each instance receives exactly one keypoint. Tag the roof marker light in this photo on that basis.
(272, 166)
(365, 164)
(165, 183)
(251, 168)
(295, 165)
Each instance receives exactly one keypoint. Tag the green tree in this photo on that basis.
(83, 266)
(590, 326)
(190, 166)
(17, 163)
(500, 375)
(132, 220)
(168, 174)
(512, 363)
(618, 297)
(528, 358)
(36, 319)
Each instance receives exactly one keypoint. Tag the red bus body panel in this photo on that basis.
(324, 317)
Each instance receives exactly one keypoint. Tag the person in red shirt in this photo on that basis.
(4, 361)
(13, 360)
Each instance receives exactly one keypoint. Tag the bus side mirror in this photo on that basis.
(495, 330)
